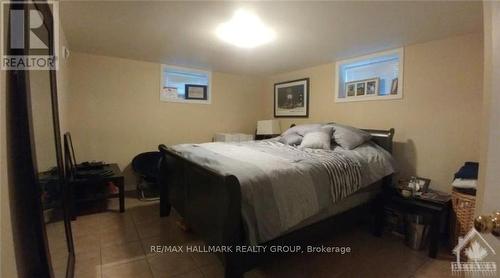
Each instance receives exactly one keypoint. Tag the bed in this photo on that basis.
(267, 193)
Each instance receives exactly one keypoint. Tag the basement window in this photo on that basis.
(185, 85)
(377, 76)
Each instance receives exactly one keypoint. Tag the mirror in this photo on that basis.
(49, 168)
(48, 171)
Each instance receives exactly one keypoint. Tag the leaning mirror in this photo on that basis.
(47, 148)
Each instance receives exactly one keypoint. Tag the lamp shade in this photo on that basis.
(268, 127)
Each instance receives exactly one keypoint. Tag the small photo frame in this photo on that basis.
(372, 87)
(360, 88)
(168, 93)
(350, 89)
(394, 86)
(423, 183)
(193, 91)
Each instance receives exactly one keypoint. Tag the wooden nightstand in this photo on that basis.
(437, 212)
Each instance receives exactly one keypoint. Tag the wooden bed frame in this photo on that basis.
(211, 204)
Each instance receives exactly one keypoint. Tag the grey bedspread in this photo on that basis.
(282, 185)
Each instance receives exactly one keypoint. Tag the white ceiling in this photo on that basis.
(308, 33)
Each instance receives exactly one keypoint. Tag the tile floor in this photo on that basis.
(111, 244)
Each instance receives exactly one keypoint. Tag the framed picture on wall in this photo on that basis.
(291, 98)
(195, 91)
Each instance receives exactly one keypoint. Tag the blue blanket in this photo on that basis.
(468, 171)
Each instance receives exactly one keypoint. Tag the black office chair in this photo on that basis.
(146, 166)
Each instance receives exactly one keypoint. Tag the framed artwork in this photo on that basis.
(195, 91)
(291, 98)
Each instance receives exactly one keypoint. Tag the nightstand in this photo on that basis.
(436, 211)
(89, 186)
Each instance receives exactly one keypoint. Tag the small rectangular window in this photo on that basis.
(372, 77)
(176, 80)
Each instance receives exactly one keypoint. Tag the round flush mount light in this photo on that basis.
(245, 29)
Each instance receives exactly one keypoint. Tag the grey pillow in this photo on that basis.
(319, 138)
(349, 137)
(301, 129)
(291, 139)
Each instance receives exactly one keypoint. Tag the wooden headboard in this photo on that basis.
(381, 137)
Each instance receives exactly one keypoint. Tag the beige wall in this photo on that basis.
(437, 121)
(63, 84)
(488, 196)
(115, 111)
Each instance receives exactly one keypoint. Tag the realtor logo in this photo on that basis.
(478, 251)
(24, 16)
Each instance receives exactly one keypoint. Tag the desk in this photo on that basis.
(116, 178)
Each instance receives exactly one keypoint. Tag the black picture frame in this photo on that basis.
(188, 87)
(304, 82)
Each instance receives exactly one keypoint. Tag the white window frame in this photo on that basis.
(164, 67)
(399, 95)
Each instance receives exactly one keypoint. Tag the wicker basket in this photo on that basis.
(462, 214)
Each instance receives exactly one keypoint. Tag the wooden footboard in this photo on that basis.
(214, 201)
(208, 201)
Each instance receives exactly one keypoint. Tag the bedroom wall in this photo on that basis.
(115, 111)
(438, 120)
(488, 194)
(63, 84)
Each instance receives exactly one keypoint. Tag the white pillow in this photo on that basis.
(291, 139)
(301, 129)
(318, 139)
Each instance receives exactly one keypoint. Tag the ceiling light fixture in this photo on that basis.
(245, 29)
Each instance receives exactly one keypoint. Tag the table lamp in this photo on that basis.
(268, 129)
